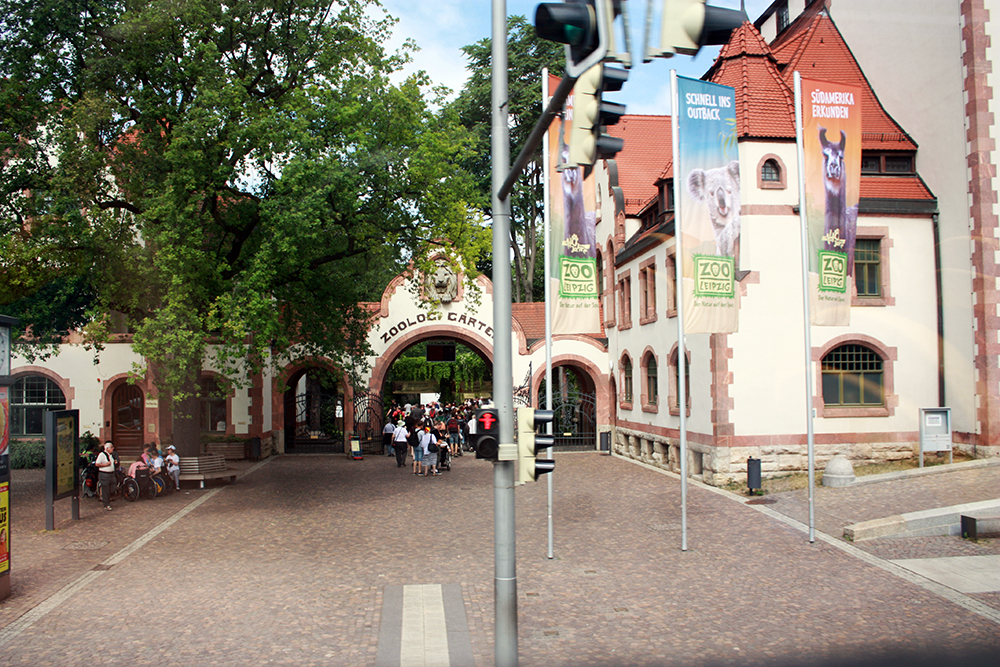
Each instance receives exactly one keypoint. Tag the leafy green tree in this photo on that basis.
(227, 179)
(526, 55)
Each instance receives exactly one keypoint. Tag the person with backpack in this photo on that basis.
(454, 428)
(430, 447)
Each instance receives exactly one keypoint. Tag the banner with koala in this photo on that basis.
(572, 216)
(831, 137)
(707, 192)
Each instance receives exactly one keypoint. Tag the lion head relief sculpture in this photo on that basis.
(442, 284)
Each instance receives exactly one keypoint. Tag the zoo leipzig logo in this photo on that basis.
(437, 316)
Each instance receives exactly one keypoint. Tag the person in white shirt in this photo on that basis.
(106, 473)
(430, 459)
(174, 466)
(399, 437)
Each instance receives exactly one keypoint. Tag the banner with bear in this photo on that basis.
(575, 307)
(707, 192)
(831, 138)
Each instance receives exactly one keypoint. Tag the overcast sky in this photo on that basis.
(441, 28)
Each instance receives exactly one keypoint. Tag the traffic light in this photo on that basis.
(688, 25)
(591, 114)
(585, 27)
(529, 443)
(487, 434)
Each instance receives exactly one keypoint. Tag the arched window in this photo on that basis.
(652, 382)
(852, 376)
(770, 171)
(31, 396)
(627, 379)
(213, 405)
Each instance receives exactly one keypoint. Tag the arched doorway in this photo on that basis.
(574, 404)
(126, 420)
(314, 412)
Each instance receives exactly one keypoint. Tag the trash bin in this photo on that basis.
(753, 474)
(255, 448)
(606, 441)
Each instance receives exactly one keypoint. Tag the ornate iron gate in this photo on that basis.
(314, 423)
(369, 420)
(522, 394)
(575, 421)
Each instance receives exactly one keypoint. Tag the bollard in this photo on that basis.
(753, 474)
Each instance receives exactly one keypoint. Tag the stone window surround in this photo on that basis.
(671, 276)
(627, 390)
(648, 405)
(625, 300)
(647, 288)
(782, 181)
(885, 243)
(888, 356)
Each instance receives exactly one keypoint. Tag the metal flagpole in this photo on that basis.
(548, 301)
(679, 270)
(807, 326)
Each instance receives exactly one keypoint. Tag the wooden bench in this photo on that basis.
(971, 523)
(205, 467)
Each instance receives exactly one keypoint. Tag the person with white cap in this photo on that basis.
(106, 473)
(174, 466)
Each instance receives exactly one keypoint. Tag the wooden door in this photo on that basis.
(126, 421)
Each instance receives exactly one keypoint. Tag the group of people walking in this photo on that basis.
(431, 434)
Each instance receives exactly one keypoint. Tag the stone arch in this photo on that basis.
(405, 340)
(128, 442)
(68, 390)
(598, 381)
(285, 381)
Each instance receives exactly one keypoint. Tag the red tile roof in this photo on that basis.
(644, 159)
(763, 76)
(818, 51)
(894, 187)
(765, 105)
(531, 317)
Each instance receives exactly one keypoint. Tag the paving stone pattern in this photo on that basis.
(289, 565)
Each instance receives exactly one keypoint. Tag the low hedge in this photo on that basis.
(27, 454)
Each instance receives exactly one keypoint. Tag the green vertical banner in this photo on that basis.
(831, 135)
(708, 206)
(573, 219)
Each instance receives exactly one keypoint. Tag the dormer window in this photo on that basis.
(887, 163)
(783, 18)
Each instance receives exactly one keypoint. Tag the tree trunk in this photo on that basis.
(186, 419)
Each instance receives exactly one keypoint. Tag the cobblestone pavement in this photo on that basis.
(289, 565)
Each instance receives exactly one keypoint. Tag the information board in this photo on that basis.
(62, 451)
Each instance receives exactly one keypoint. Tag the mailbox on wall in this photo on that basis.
(935, 432)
